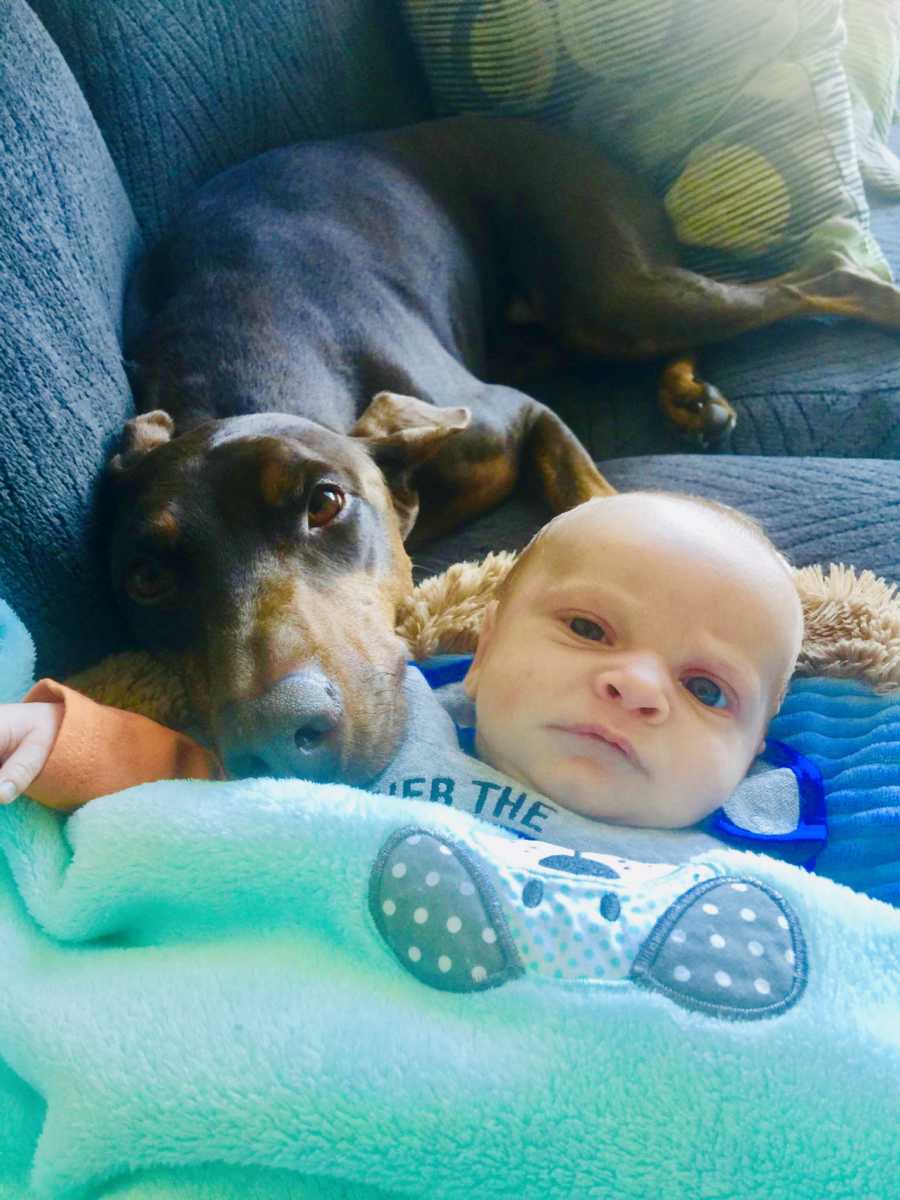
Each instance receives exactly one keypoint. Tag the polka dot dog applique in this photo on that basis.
(470, 917)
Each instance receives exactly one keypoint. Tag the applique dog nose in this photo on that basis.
(438, 914)
(728, 947)
(577, 864)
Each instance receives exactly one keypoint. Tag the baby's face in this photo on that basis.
(631, 672)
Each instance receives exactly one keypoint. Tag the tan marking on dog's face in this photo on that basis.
(294, 621)
(277, 474)
(164, 525)
(398, 582)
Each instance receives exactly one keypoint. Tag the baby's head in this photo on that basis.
(634, 656)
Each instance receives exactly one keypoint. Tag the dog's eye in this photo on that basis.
(325, 502)
(148, 581)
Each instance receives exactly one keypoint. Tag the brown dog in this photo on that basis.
(260, 504)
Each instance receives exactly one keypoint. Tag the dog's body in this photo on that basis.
(261, 542)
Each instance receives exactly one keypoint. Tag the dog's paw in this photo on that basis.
(697, 411)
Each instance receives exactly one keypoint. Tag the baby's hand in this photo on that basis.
(27, 734)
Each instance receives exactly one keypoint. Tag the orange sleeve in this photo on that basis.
(100, 749)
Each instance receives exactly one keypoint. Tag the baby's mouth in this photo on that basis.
(600, 734)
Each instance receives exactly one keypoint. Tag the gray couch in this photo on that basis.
(112, 110)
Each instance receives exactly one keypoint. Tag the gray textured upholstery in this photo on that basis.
(67, 239)
(816, 509)
(182, 89)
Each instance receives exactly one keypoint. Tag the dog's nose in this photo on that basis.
(315, 728)
(294, 730)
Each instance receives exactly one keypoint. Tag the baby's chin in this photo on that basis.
(638, 813)
(590, 793)
(583, 789)
(591, 805)
(635, 819)
(597, 793)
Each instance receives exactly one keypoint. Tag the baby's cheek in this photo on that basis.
(732, 761)
(515, 687)
(504, 728)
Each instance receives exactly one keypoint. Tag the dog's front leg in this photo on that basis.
(512, 439)
(556, 464)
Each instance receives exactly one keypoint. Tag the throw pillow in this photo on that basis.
(737, 113)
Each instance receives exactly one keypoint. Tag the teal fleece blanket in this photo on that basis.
(271, 988)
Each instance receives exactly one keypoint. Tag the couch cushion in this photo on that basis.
(182, 90)
(67, 239)
(872, 63)
(815, 509)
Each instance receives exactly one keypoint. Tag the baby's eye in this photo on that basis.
(707, 691)
(589, 630)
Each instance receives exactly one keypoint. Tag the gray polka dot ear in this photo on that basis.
(728, 947)
(439, 915)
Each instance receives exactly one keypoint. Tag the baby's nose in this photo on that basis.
(638, 685)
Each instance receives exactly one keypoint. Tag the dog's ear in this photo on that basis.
(401, 433)
(409, 424)
(141, 435)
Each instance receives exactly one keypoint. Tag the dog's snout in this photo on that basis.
(320, 717)
(313, 731)
(294, 730)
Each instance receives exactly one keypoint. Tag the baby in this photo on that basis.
(635, 656)
(627, 670)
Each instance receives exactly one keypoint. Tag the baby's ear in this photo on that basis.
(470, 683)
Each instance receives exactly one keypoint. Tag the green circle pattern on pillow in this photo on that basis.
(738, 112)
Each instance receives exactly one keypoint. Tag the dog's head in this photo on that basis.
(264, 554)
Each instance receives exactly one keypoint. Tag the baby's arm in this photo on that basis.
(27, 734)
(97, 749)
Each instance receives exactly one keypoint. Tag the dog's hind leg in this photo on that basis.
(671, 311)
(836, 287)
(667, 312)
